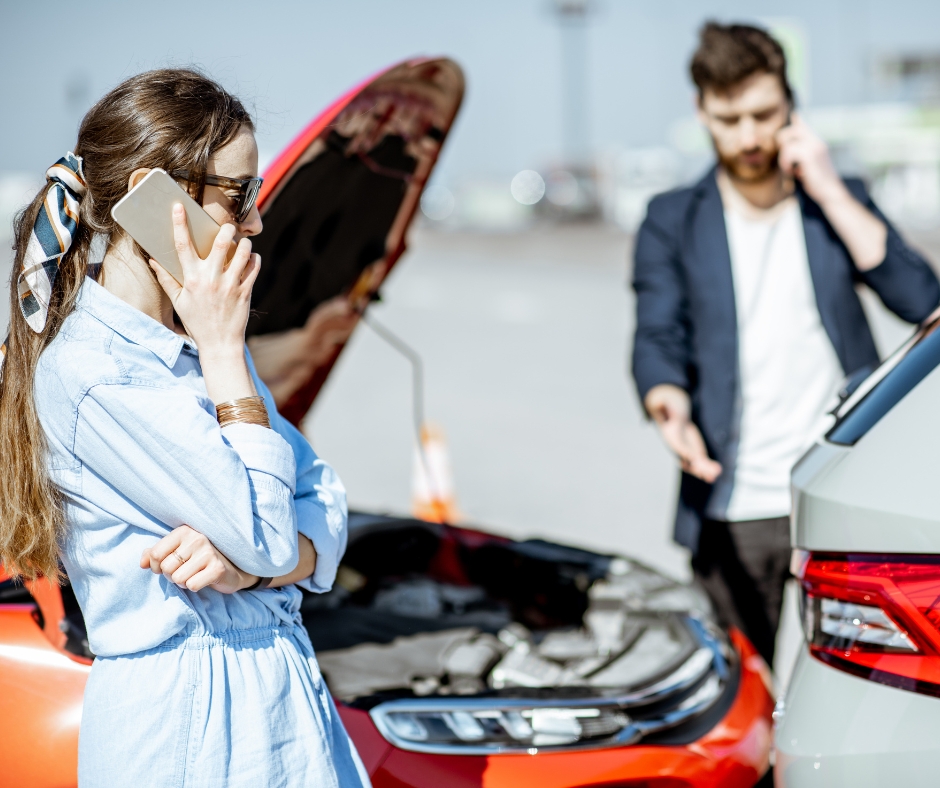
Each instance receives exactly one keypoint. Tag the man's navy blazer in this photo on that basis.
(686, 328)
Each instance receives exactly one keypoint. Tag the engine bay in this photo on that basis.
(427, 610)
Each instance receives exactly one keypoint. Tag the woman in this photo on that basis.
(148, 457)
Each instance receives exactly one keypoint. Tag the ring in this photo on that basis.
(179, 557)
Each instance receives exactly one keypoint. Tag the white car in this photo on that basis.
(863, 704)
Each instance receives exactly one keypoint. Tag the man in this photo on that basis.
(748, 320)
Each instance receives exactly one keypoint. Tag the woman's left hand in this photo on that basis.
(187, 558)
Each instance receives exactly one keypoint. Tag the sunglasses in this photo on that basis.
(247, 189)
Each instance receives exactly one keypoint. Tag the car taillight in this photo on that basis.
(876, 616)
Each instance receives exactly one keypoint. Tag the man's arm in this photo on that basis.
(903, 280)
(805, 156)
(661, 344)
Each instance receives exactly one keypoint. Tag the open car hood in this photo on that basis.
(336, 205)
(463, 642)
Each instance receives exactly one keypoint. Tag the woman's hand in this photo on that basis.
(213, 304)
(215, 296)
(187, 558)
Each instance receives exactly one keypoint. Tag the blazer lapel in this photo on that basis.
(711, 295)
(711, 259)
(818, 253)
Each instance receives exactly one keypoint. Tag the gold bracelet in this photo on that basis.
(245, 410)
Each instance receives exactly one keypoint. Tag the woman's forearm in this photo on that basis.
(305, 566)
(226, 374)
(223, 575)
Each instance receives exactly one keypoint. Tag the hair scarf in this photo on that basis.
(49, 240)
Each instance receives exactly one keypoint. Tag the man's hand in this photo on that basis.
(805, 156)
(187, 558)
(670, 408)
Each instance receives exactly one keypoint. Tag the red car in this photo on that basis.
(456, 657)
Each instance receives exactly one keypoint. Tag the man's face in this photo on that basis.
(743, 123)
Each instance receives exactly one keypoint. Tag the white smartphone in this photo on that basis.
(145, 213)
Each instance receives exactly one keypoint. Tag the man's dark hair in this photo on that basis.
(729, 54)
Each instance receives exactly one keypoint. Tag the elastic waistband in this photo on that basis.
(228, 637)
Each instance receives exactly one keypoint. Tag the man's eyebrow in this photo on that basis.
(735, 115)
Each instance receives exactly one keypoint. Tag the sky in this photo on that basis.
(288, 60)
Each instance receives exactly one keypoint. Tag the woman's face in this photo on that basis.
(238, 159)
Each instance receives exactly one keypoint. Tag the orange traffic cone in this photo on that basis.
(432, 480)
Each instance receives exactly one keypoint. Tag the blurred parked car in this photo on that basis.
(456, 657)
(863, 705)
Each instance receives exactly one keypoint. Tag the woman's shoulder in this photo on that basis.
(104, 341)
(78, 358)
(90, 361)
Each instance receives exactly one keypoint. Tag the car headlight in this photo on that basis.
(535, 720)
(497, 727)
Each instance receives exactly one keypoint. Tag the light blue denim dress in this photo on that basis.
(188, 689)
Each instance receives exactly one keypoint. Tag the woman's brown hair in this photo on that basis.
(168, 118)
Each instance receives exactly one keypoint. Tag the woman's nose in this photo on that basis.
(252, 223)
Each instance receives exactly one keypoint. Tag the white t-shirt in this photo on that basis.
(789, 371)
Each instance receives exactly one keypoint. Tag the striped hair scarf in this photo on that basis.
(49, 241)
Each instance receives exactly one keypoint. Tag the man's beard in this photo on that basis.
(742, 171)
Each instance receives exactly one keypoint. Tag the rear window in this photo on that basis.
(887, 385)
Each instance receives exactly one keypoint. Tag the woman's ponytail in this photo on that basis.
(31, 522)
(168, 118)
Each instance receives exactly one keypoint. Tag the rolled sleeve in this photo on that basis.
(320, 503)
(319, 498)
(322, 518)
(262, 451)
(904, 281)
(163, 450)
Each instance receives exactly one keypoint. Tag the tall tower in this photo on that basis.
(572, 16)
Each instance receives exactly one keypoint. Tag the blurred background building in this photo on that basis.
(514, 290)
(592, 95)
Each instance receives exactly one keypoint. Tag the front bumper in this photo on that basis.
(835, 730)
(733, 753)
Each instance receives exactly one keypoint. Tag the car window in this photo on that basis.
(887, 386)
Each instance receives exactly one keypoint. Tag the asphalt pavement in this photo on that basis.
(524, 342)
(524, 339)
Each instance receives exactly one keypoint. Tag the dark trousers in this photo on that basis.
(743, 566)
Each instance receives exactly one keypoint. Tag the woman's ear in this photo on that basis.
(136, 177)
